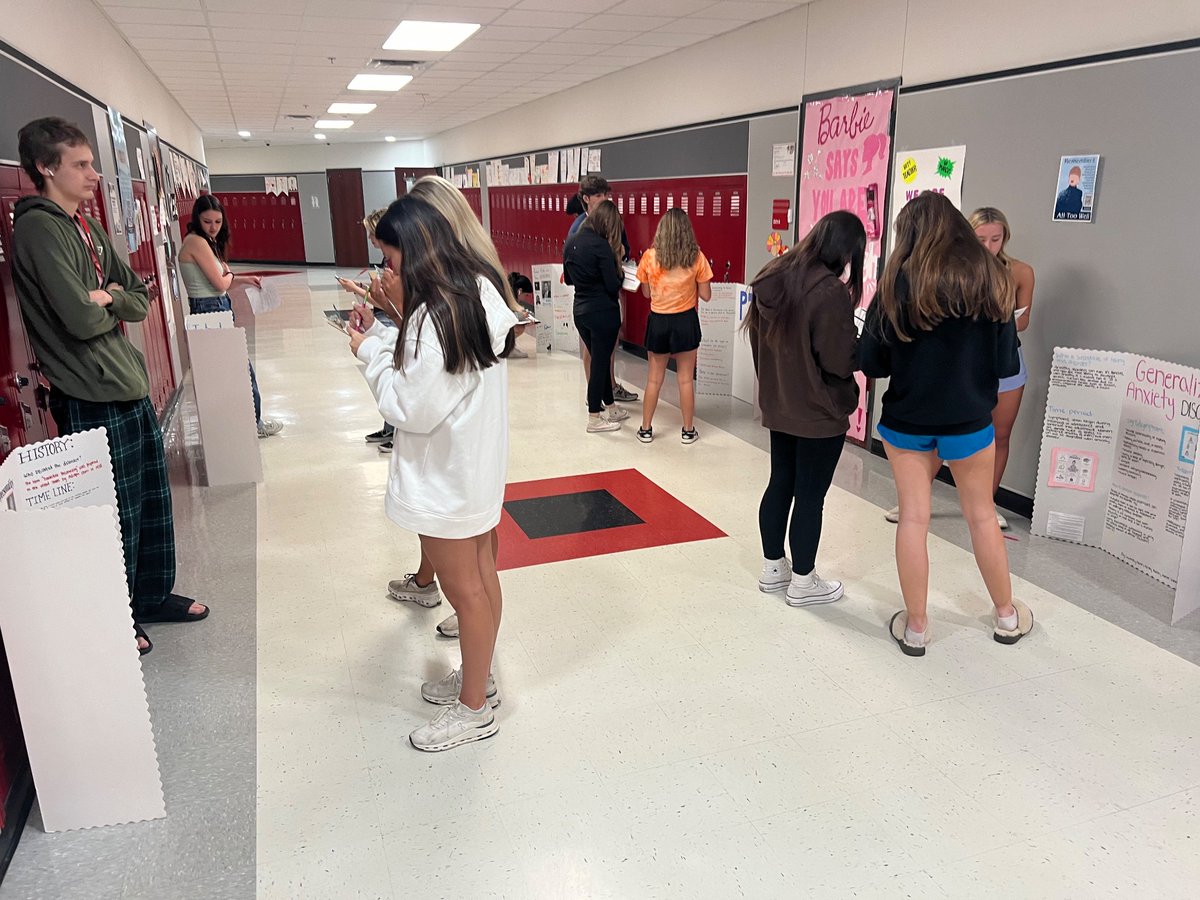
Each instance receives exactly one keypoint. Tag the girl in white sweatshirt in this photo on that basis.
(442, 382)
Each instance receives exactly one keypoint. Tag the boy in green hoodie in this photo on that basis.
(74, 292)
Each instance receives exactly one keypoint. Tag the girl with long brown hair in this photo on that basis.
(675, 275)
(941, 328)
(804, 341)
(592, 263)
(441, 380)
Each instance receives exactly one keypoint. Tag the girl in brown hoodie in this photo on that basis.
(804, 341)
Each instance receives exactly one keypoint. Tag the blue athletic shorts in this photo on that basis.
(948, 446)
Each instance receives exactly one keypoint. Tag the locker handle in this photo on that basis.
(20, 381)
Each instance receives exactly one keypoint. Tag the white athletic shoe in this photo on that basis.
(448, 627)
(776, 575)
(269, 428)
(408, 591)
(893, 515)
(446, 689)
(454, 726)
(1001, 521)
(811, 590)
(614, 413)
(600, 424)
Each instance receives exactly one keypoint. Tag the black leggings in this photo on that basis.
(801, 472)
(599, 334)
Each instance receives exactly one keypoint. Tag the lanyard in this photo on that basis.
(86, 234)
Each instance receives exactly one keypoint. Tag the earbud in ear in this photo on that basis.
(50, 173)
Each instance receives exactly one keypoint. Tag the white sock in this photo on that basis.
(915, 638)
(1007, 623)
(475, 711)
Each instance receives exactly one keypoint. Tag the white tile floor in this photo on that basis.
(667, 730)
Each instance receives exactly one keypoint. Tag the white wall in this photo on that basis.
(76, 41)
(826, 45)
(317, 157)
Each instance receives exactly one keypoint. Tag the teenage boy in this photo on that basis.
(74, 292)
(592, 190)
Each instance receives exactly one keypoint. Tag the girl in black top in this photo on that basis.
(942, 329)
(592, 263)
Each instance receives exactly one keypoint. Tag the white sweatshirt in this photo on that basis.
(450, 457)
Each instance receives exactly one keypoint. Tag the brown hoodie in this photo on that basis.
(805, 352)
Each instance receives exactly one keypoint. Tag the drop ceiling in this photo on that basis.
(247, 65)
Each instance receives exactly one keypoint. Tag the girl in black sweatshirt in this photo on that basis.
(941, 328)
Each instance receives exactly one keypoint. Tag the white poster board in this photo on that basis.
(224, 403)
(745, 381)
(1118, 453)
(543, 277)
(938, 169)
(68, 632)
(718, 322)
(562, 299)
(1187, 591)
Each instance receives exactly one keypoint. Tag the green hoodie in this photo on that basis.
(78, 344)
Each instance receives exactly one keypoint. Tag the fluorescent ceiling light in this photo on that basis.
(379, 82)
(319, 137)
(432, 36)
(351, 109)
(390, 139)
(333, 123)
(243, 134)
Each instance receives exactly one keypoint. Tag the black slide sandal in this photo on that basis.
(141, 634)
(174, 609)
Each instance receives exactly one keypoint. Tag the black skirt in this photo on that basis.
(673, 332)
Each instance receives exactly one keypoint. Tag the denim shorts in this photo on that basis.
(949, 447)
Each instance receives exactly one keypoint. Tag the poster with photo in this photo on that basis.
(845, 159)
(128, 216)
(1118, 454)
(1076, 191)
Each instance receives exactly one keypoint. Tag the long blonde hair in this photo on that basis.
(449, 201)
(949, 273)
(988, 215)
(675, 245)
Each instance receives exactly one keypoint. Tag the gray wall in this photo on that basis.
(1121, 282)
(763, 187)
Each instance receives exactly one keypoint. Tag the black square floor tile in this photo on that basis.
(541, 517)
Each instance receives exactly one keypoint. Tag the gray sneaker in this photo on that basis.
(445, 690)
(269, 427)
(448, 627)
(408, 591)
(454, 726)
(622, 395)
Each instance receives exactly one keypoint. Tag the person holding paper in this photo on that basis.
(442, 381)
(592, 264)
(207, 279)
(941, 329)
(804, 342)
(675, 275)
(594, 190)
(74, 292)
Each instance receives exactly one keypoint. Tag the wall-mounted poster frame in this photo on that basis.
(845, 162)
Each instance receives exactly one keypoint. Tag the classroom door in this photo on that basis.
(346, 213)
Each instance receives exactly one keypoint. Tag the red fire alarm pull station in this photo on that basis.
(781, 214)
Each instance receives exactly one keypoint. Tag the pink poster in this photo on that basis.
(844, 161)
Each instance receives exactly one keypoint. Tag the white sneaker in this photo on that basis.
(448, 627)
(445, 690)
(614, 413)
(599, 424)
(454, 726)
(408, 591)
(1001, 521)
(269, 427)
(893, 515)
(776, 575)
(811, 590)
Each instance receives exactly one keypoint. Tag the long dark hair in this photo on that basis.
(209, 203)
(440, 278)
(838, 238)
(949, 273)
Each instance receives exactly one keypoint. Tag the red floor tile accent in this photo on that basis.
(666, 520)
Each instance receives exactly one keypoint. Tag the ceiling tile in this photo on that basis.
(130, 15)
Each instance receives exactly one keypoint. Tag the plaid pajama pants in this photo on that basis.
(143, 492)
